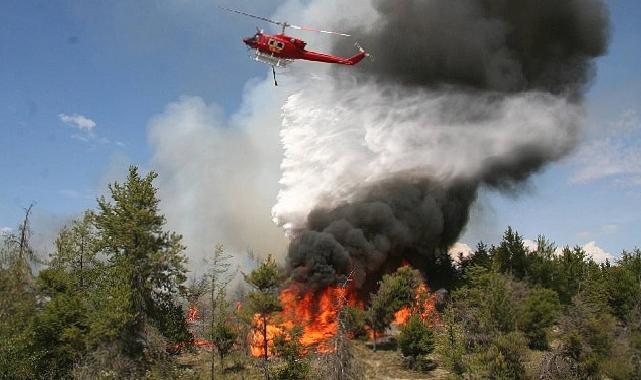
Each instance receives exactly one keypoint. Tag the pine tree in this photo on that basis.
(146, 264)
(219, 277)
(395, 291)
(511, 255)
(264, 301)
(18, 305)
(223, 332)
(416, 339)
(541, 265)
(288, 347)
(539, 311)
(76, 249)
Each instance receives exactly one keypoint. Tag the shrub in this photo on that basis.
(415, 340)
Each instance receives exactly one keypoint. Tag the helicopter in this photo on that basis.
(279, 50)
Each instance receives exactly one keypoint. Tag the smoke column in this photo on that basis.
(383, 161)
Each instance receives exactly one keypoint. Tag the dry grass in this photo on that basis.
(388, 365)
(384, 365)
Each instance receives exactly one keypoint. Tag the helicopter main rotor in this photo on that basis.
(283, 24)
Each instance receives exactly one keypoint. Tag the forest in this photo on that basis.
(115, 300)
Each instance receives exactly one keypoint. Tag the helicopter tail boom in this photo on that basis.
(320, 57)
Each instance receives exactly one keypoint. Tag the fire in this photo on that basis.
(193, 319)
(192, 314)
(401, 316)
(424, 305)
(315, 312)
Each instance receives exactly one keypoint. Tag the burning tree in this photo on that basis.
(263, 302)
(394, 299)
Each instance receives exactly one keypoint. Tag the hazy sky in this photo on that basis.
(80, 82)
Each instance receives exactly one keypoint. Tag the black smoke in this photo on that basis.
(485, 50)
(391, 222)
(489, 45)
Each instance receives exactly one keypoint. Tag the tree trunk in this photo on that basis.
(23, 232)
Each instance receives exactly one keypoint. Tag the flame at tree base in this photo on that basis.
(424, 306)
(317, 314)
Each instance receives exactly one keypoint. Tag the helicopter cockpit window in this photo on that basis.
(280, 45)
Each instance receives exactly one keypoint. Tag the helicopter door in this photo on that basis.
(275, 46)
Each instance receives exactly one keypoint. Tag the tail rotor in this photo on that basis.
(362, 50)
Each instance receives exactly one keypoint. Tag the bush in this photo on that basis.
(415, 340)
(288, 347)
(539, 312)
(505, 357)
(353, 320)
(450, 344)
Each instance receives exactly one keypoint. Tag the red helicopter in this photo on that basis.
(279, 50)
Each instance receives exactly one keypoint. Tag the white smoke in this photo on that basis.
(218, 176)
(339, 138)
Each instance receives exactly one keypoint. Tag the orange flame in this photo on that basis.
(193, 317)
(424, 305)
(315, 312)
(192, 314)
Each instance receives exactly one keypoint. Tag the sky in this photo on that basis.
(82, 81)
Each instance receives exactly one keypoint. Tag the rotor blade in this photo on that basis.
(317, 30)
(251, 15)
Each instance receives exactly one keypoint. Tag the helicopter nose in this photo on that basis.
(247, 41)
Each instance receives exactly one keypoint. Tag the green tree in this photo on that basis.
(624, 284)
(146, 265)
(540, 310)
(504, 359)
(486, 306)
(288, 347)
(395, 291)
(76, 249)
(264, 300)
(60, 328)
(541, 264)
(223, 331)
(510, 256)
(19, 356)
(219, 277)
(416, 339)
(571, 269)
(353, 321)
(480, 257)
(450, 343)
(587, 332)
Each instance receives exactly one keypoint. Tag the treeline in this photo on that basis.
(106, 305)
(583, 317)
(112, 303)
(513, 313)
